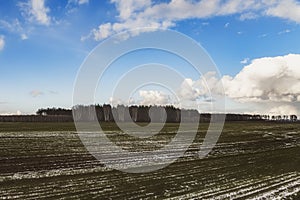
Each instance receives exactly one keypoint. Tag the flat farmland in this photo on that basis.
(252, 160)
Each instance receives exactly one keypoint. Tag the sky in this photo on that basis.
(254, 44)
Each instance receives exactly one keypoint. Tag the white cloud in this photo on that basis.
(36, 11)
(188, 90)
(24, 36)
(103, 31)
(263, 35)
(153, 97)
(76, 2)
(36, 93)
(115, 101)
(2, 42)
(15, 27)
(134, 14)
(145, 97)
(73, 5)
(11, 113)
(245, 61)
(284, 31)
(273, 79)
(12, 26)
(288, 9)
(239, 6)
(204, 88)
(249, 15)
(267, 85)
(128, 8)
(83, 2)
(227, 25)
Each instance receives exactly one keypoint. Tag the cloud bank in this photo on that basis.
(11, 113)
(270, 84)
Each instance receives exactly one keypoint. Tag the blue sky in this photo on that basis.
(44, 42)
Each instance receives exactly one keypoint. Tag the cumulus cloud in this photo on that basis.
(115, 101)
(153, 97)
(36, 93)
(202, 89)
(288, 9)
(2, 42)
(275, 79)
(35, 11)
(270, 84)
(188, 90)
(103, 31)
(134, 14)
(145, 97)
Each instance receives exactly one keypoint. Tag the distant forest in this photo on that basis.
(121, 113)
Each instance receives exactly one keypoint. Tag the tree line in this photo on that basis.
(121, 113)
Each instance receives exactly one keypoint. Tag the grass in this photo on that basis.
(35, 126)
(239, 127)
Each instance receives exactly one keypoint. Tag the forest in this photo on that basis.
(121, 113)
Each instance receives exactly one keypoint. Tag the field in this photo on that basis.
(252, 160)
